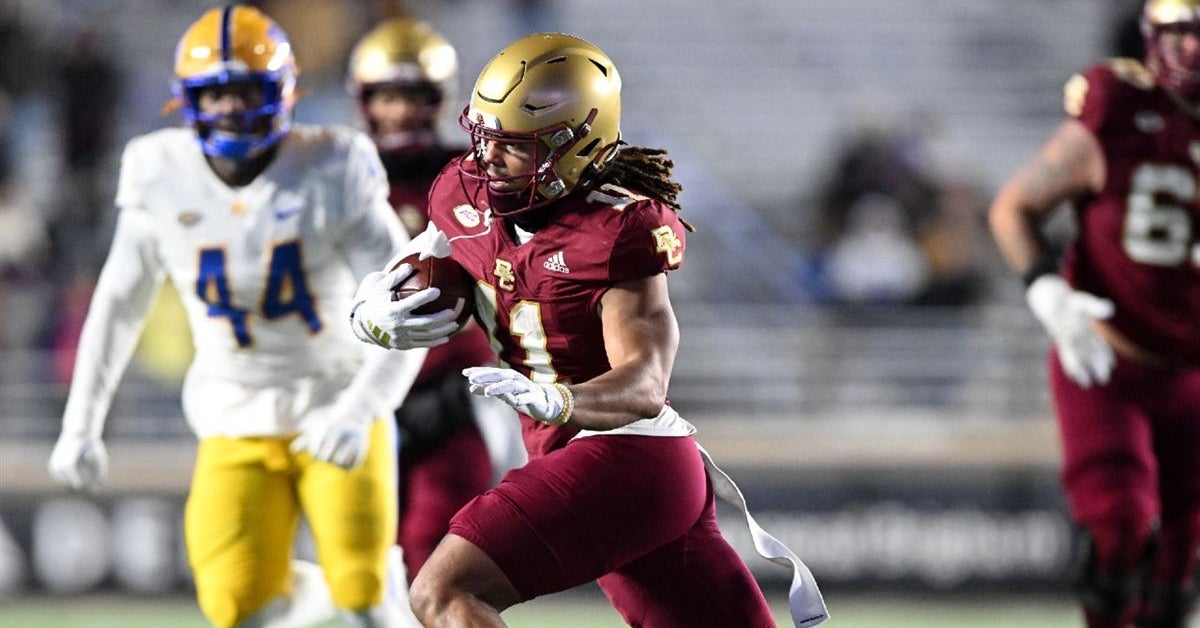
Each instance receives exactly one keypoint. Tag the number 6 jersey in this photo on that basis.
(1139, 238)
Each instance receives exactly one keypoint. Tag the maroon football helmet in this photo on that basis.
(1171, 29)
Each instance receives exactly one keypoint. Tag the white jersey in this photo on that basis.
(266, 272)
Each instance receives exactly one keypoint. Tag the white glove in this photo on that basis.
(548, 403)
(340, 435)
(1067, 315)
(79, 462)
(377, 319)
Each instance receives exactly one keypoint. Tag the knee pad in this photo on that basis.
(357, 589)
(221, 610)
(225, 608)
(308, 604)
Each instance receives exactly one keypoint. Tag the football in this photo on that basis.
(443, 273)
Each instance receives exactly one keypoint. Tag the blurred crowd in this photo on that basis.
(50, 251)
(891, 223)
(894, 224)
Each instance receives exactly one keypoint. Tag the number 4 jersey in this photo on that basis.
(266, 272)
(1139, 238)
(540, 300)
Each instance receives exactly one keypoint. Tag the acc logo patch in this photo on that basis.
(189, 217)
(467, 216)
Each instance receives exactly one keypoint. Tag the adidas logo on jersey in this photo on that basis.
(556, 263)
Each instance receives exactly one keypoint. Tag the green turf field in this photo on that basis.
(570, 611)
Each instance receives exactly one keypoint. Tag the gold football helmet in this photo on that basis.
(230, 45)
(555, 89)
(1175, 70)
(408, 55)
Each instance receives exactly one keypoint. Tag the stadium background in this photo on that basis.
(891, 427)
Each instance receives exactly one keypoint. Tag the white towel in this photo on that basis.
(804, 598)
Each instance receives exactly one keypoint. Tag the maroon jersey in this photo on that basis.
(410, 180)
(541, 299)
(1139, 238)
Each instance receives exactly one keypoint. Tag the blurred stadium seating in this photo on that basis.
(897, 425)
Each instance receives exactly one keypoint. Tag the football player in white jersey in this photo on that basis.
(264, 228)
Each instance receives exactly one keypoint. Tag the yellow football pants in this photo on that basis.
(244, 508)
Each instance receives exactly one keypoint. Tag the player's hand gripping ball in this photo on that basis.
(456, 286)
(420, 301)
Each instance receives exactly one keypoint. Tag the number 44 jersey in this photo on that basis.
(266, 271)
(1139, 238)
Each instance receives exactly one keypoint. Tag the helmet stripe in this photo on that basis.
(227, 33)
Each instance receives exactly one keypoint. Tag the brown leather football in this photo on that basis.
(443, 273)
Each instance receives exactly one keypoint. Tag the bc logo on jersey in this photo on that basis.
(665, 241)
(506, 279)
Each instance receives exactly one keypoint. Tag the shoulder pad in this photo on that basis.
(618, 197)
(1108, 81)
(1074, 94)
(1132, 71)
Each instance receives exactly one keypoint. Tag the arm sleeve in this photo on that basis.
(384, 379)
(124, 294)
(373, 235)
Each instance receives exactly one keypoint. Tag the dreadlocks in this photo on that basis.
(647, 171)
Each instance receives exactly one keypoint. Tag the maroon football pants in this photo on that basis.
(1131, 461)
(635, 512)
(434, 484)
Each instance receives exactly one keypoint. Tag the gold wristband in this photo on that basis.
(568, 405)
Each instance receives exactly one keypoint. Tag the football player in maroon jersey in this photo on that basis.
(569, 234)
(401, 72)
(1122, 308)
